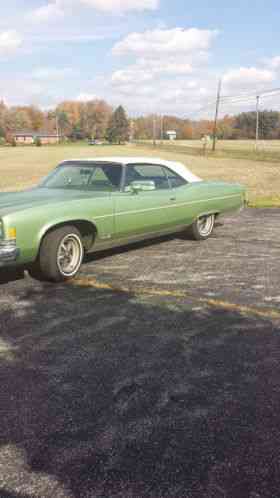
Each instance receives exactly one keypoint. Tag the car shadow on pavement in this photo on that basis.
(13, 274)
(6, 494)
(132, 246)
(116, 395)
(10, 275)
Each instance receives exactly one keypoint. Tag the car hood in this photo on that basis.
(11, 202)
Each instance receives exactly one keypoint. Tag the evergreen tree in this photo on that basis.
(118, 127)
(62, 121)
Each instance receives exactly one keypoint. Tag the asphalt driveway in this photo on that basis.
(155, 374)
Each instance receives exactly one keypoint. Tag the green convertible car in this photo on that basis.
(89, 205)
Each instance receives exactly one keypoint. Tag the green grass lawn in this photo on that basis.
(22, 167)
(268, 151)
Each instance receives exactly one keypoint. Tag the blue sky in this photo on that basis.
(150, 55)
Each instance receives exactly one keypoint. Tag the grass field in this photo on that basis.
(245, 145)
(267, 151)
(22, 167)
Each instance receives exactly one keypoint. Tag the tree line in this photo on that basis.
(241, 126)
(72, 120)
(96, 119)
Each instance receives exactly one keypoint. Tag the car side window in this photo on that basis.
(106, 178)
(174, 179)
(150, 172)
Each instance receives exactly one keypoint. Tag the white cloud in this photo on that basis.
(173, 68)
(51, 73)
(86, 97)
(274, 62)
(44, 86)
(49, 12)
(168, 66)
(147, 70)
(58, 8)
(174, 96)
(247, 77)
(165, 41)
(25, 91)
(10, 42)
(130, 75)
(162, 73)
(121, 5)
(128, 90)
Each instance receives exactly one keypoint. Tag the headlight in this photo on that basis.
(9, 234)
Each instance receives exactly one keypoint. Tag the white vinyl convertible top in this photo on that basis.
(177, 167)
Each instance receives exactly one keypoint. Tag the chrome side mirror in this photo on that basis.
(142, 186)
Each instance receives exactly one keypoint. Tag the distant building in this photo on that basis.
(172, 134)
(23, 137)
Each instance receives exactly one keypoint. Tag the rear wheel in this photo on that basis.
(202, 228)
(61, 255)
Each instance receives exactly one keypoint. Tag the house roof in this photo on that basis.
(39, 133)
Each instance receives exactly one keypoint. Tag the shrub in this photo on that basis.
(13, 142)
(38, 142)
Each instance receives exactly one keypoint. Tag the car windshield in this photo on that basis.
(77, 176)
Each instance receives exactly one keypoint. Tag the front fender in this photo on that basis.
(88, 228)
(62, 221)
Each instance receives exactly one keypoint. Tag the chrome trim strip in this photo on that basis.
(124, 240)
(122, 213)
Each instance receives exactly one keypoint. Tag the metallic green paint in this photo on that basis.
(115, 218)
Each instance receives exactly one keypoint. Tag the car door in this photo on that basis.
(104, 180)
(144, 212)
(191, 199)
(182, 197)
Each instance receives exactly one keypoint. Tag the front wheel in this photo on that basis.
(203, 227)
(61, 254)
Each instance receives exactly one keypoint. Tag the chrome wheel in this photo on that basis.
(69, 255)
(205, 225)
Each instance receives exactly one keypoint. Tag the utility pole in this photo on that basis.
(57, 128)
(154, 130)
(257, 121)
(217, 115)
(161, 128)
(131, 123)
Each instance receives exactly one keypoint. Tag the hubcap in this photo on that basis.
(205, 225)
(70, 255)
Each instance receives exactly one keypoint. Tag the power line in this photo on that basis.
(246, 98)
(254, 94)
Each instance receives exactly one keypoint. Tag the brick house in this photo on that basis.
(23, 137)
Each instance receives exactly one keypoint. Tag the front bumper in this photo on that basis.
(9, 252)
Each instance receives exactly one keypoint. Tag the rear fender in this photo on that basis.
(214, 212)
